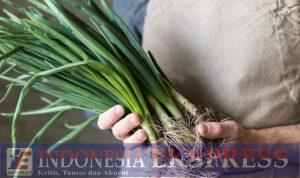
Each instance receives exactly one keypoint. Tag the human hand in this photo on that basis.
(231, 131)
(122, 128)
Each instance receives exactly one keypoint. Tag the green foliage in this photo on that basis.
(86, 67)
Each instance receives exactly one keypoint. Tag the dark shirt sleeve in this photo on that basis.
(133, 13)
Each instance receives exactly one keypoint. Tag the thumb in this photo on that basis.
(213, 130)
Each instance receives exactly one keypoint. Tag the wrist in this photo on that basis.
(257, 136)
(261, 136)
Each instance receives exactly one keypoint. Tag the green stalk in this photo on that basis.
(73, 133)
(8, 91)
(26, 90)
(111, 66)
(2, 63)
(7, 71)
(183, 102)
(171, 106)
(90, 103)
(10, 53)
(83, 35)
(148, 128)
(159, 111)
(42, 111)
(37, 137)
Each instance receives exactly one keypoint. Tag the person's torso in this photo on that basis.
(240, 57)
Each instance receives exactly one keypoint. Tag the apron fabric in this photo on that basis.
(241, 57)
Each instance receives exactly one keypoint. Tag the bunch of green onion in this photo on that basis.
(88, 67)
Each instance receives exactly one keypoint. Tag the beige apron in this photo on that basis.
(241, 57)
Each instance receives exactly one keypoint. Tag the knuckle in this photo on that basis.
(116, 132)
(132, 120)
(235, 128)
(140, 135)
(230, 128)
(219, 128)
(209, 131)
(114, 119)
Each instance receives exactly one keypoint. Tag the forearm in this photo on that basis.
(282, 134)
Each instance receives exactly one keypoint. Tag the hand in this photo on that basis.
(122, 128)
(231, 131)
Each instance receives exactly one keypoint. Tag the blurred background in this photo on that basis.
(28, 126)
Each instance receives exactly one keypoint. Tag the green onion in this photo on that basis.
(89, 68)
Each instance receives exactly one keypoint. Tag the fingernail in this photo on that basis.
(141, 135)
(134, 120)
(118, 109)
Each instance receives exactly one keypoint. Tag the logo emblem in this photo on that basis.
(20, 161)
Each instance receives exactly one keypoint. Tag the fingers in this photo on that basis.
(213, 130)
(122, 128)
(110, 117)
(209, 130)
(138, 137)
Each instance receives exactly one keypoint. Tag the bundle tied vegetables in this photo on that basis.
(91, 68)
